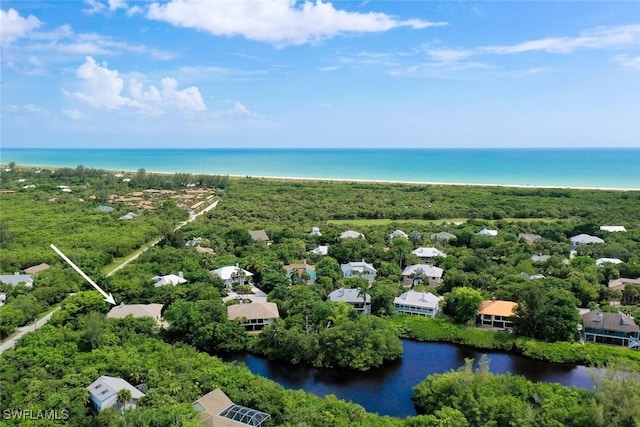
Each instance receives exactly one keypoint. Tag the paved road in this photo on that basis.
(192, 217)
(41, 322)
(24, 329)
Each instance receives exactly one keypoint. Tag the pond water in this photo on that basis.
(387, 390)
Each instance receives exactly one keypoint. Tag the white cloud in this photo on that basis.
(598, 38)
(13, 26)
(281, 22)
(628, 61)
(330, 68)
(117, 4)
(241, 110)
(448, 55)
(95, 6)
(74, 114)
(103, 88)
(27, 108)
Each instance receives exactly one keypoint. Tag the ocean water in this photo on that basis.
(596, 168)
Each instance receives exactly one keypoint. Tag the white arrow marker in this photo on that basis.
(107, 298)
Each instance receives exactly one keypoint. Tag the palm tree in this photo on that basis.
(124, 397)
(363, 291)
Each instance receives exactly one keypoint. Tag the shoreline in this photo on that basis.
(352, 180)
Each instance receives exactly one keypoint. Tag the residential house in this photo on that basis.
(306, 272)
(350, 234)
(427, 254)
(253, 316)
(320, 250)
(584, 239)
(496, 314)
(205, 250)
(621, 283)
(612, 228)
(398, 234)
(529, 238)
(103, 392)
(219, 411)
(233, 275)
(105, 209)
(37, 268)
(3, 298)
(418, 303)
(128, 216)
(540, 258)
(259, 235)
(359, 269)
(610, 328)
(16, 279)
(352, 297)
(169, 279)
(487, 232)
(419, 274)
(442, 237)
(137, 310)
(601, 261)
(315, 231)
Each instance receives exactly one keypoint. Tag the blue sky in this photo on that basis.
(247, 73)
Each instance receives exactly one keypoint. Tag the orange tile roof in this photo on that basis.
(497, 308)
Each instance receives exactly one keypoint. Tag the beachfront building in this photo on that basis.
(359, 269)
(217, 410)
(584, 239)
(417, 303)
(301, 273)
(103, 393)
(253, 316)
(427, 254)
(352, 297)
(232, 275)
(610, 328)
(602, 261)
(496, 314)
(320, 250)
(397, 234)
(422, 274)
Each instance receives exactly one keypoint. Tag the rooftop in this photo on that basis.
(497, 308)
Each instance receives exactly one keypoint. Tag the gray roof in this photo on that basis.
(443, 235)
(398, 233)
(529, 237)
(609, 321)
(259, 235)
(104, 208)
(540, 258)
(136, 310)
(347, 295)
(15, 279)
(428, 270)
(350, 234)
(585, 239)
(423, 252)
(358, 266)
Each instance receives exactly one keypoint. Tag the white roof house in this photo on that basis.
(442, 236)
(104, 392)
(352, 297)
(315, 231)
(433, 275)
(128, 216)
(419, 303)
(585, 239)
(428, 253)
(320, 250)
(612, 228)
(359, 269)
(169, 279)
(350, 234)
(487, 232)
(601, 261)
(232, 274)
(540, 258)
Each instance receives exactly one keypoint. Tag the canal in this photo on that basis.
(387, 390)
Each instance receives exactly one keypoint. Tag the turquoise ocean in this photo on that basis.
(596, 168)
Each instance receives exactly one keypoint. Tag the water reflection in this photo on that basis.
(387, 390)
